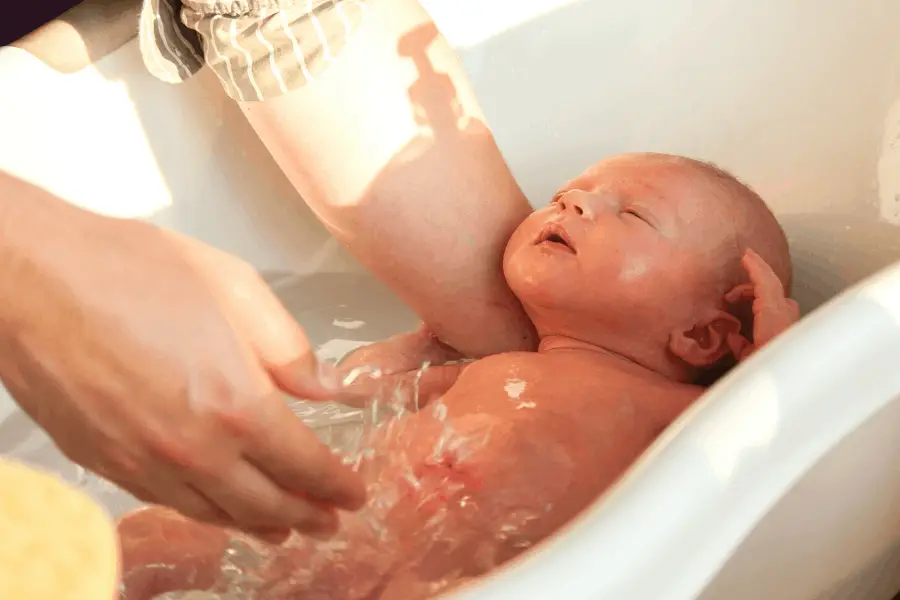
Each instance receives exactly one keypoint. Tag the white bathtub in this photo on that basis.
(784, 483)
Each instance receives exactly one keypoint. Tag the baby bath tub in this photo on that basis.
(784, 482)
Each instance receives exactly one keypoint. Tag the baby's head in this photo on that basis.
(636, 254)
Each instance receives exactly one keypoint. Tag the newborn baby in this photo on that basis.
(644, 276)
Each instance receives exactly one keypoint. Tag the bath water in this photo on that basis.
(247, 565)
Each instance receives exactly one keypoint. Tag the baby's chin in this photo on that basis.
(525, 281)
(535, 292)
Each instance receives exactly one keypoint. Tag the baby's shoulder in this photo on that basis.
(508, 364)
(558, 381)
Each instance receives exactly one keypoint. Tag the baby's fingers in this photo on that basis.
(741, 292)
(740, 346)
(768, 288)
(793, 310)
(784, 310)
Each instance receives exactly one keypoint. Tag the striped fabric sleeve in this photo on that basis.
(257, 48)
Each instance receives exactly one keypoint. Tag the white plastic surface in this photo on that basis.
(785, 482)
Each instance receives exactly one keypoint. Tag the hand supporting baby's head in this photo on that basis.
(637, 255)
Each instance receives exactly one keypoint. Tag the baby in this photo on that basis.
(644, 276)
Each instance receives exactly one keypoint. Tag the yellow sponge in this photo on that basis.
(55, 542)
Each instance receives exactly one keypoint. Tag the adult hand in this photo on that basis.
(156, 362)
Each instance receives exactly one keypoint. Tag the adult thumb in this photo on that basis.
(306, 377)
(282, 347)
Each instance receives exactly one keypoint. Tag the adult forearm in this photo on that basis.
(114, 330)
(10, 191)
(21, 204)
(34, 226)
(390, 149)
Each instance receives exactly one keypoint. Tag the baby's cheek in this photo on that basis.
(633, 268)
(528, 229)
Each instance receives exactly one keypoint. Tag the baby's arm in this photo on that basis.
(451, 501)
(448, 500)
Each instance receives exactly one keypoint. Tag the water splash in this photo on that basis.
(348, 324)
(416, 463)
(374, 440)
(514, 388)
(95, 485)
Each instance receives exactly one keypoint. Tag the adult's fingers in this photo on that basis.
(138, 490)
(306, 377)
(274, 537)
(254, 502)
(172, 491)
(296, 459)
(281, 345)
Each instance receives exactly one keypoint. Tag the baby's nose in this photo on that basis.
(579, 202)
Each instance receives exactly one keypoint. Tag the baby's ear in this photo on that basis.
(706, 343)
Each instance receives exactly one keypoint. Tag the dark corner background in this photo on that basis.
(24, 17)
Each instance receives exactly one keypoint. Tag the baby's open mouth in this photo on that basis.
(554, 236)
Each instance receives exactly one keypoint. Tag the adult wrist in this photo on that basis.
(34, 226)
(9, 190)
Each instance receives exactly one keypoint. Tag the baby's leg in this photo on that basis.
(407, 543)
(465, 495)
(450, 500)
(163, 551)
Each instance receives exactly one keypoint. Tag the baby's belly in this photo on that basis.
(478, 489)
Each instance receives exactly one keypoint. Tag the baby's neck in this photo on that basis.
(609, 358)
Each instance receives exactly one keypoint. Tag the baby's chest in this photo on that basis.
(529, 387)
(523, 442)
(598, 423)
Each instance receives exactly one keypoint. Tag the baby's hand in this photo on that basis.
(401, 353)
(773, 313)
(399, 359)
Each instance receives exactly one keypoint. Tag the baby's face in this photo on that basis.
(631, 238)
